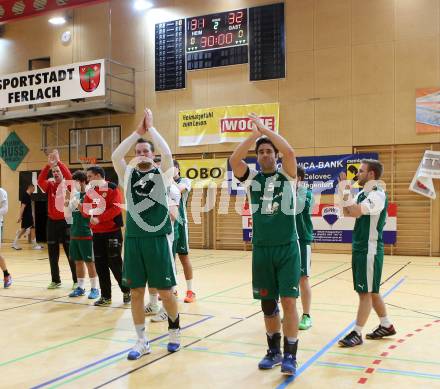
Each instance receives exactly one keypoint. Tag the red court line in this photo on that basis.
(371, 370)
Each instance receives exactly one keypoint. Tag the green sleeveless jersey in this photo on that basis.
(80, 227)
(147, 206)
(304, 204)
(272, 204)
(368, 229)
(183, 216)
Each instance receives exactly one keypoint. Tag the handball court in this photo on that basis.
(50, 340)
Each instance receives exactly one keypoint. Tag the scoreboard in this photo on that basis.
(215, 31)
(254, 35)
(170, 55)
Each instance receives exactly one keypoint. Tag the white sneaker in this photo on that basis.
(151, 310)
(161, 316)
(174, 340)
(16, 246)
(37, 247)
(141, 347)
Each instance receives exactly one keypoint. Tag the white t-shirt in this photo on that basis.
(3, 204)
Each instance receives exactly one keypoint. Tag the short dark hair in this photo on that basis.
(264, 140)
(142, 140)
(375, 166)
(79, 175)
(97, 170)
(300, 172)
(30, 185)
(176, 164)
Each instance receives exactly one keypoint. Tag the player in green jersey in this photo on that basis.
(148, 235)
(369, 207)
(81, 244)
(181, 242)
(275, 251)
(304, 226)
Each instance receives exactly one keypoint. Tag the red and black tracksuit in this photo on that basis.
(104, 199)
(57, 227)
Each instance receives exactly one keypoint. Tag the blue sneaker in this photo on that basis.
(142, 347)
(7, 281)
(77, 292)
(271, 359)
(174, 340)
(288, 365)
(94, 294)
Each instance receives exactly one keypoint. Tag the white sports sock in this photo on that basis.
(189, 284)
(385, 322)
(34, 241)
(358, 329)
(94, 282)
(140, 331)
(154, 299)
(81, 282)
(17, 234)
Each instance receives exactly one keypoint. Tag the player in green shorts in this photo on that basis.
(81, 244)
(275, 251)
(304, 226)
(369, 207)
(148, 256)
(181, 238)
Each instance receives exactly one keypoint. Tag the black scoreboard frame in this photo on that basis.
(254, 52)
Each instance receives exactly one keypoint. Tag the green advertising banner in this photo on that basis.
(13, 150)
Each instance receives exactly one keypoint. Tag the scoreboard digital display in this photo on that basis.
(170, 55)
(216, 31)
(253, 35)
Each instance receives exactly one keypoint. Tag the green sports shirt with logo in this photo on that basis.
(272, 202)
(80, 227)
(183, 217)
(304, 206)
(368, 228)
(147, 206)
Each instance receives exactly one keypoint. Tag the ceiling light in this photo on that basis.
(57, 21)
(142, 5)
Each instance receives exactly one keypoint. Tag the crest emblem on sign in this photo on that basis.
(331, 214)
(90, 76)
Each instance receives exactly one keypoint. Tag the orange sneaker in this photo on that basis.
(190, 297)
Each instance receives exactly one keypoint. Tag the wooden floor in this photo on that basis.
(50, 340)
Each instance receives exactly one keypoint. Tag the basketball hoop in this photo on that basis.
(88, 160)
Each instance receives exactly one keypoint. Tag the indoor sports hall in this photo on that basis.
(214, 194)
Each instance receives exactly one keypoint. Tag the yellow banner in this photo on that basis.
(202, 172)
(223, 124)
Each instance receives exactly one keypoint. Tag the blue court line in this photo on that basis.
(330, 344)
(76, 371)
(334, 364)
(410, 373)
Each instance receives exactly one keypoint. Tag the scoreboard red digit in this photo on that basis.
(216, 31)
